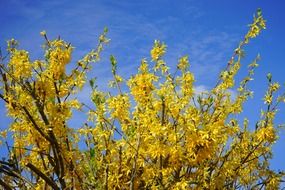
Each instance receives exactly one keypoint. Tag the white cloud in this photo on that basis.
(132, 34)
(199, 89)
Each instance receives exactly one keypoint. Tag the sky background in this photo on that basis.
(208, 31)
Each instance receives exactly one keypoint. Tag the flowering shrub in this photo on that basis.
(158, 135)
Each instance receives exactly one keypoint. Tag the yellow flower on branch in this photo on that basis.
(158, 50)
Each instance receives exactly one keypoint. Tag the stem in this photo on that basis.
(43, 176)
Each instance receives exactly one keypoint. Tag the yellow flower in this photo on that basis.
(20, 63)
(275, 86)
(267, 98)
(267, 134)
(183, 63)
(158, 50)
(3, 134)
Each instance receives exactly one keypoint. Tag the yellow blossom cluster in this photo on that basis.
(158, 50)
(59, 54)
(154, 132)
(37, 95)
(20, 64)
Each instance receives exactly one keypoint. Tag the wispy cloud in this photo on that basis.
(200, 89)
(133, 28)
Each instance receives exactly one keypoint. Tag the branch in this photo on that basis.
(35, 124)
(5, 185)
(43, 176)
(134, 169)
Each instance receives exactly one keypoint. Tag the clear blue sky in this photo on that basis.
(207, 31)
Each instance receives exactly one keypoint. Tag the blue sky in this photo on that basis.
(207, 31)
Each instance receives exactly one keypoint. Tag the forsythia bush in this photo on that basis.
(158, 135)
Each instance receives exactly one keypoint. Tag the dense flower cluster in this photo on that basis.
(159, 134)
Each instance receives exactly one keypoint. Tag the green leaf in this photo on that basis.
(259, 12)
(114, 64)
(105, 30)
(92, 83)
(269, 77)
(92, 152)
